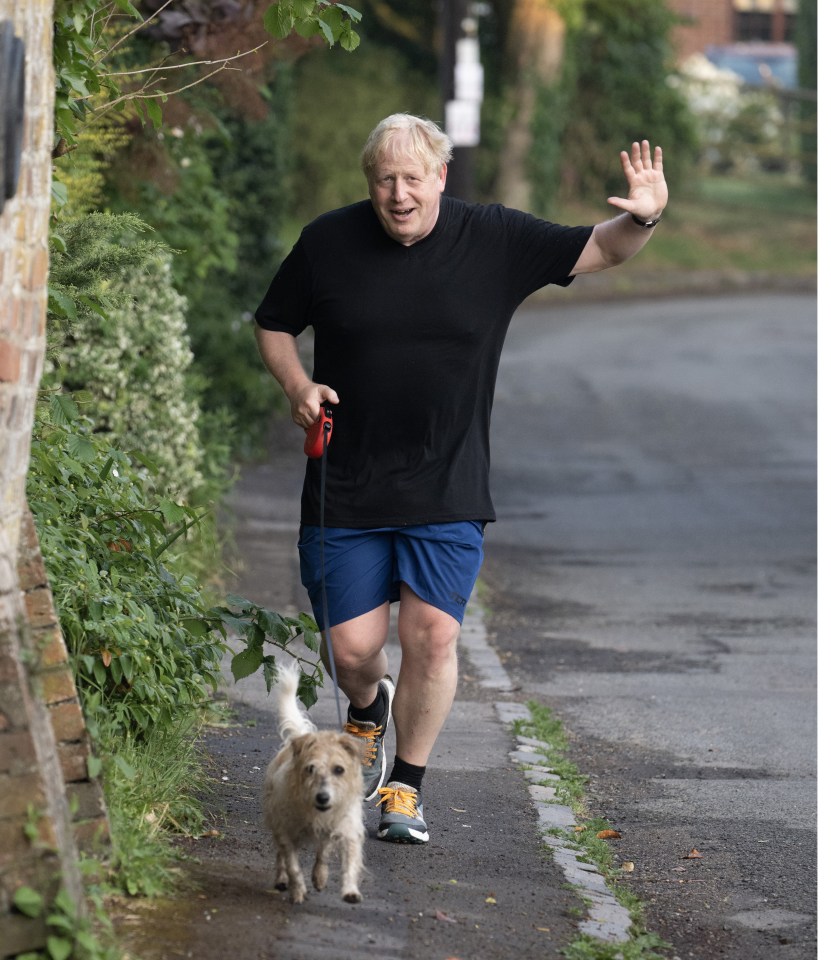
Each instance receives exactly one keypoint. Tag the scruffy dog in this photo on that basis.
(314, 796)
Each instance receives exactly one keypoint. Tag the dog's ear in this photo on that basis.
(298, 743)
(352, 745)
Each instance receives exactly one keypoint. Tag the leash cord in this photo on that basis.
(326, 630)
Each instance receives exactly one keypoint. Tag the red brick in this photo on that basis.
(73, 759)
(93, 835)
(19, 792)
(67, 721)
(17, 752)
(40, 611)
(9, 362)
(89, 800)
(50, 647)
(57, 685)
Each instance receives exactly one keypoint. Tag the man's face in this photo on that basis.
(406, 197)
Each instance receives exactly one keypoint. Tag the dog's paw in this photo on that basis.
(298, 894)
(352, 896)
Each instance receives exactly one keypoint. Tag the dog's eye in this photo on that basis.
(310, 768)
(338, 771)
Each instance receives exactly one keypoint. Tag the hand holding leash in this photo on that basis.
(319, 433)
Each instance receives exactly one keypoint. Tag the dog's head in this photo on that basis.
(328, 765)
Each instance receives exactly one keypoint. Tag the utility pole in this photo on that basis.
(462, 85)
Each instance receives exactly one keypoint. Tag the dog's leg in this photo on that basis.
(282, 875)
(320, 871)
(293, 872)
(352, 865)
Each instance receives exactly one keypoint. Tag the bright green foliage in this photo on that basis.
(255, 626)
(125, 605)
(309, 18)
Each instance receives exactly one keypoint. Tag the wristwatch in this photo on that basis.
(649, 224)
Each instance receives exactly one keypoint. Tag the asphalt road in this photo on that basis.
(652, 579)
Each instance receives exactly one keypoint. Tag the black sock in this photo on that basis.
(374, 713)
(408, 773)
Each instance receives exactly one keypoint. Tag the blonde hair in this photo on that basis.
(423, 141)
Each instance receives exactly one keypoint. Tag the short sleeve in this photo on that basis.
(285, 307)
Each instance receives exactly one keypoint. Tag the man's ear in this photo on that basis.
(443, 177)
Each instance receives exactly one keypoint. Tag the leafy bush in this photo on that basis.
(123, 339)
(126, 606)
(145, 640)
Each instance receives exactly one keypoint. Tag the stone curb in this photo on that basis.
(607, 920)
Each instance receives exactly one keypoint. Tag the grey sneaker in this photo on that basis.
(375, 759)
(402, 816)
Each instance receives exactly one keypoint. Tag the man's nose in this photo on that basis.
(399, 189)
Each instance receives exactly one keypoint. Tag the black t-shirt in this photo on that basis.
(410, 338)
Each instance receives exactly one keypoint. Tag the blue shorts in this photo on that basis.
(365, 568)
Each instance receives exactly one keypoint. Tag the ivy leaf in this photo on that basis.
(59, 948)
(28, 901)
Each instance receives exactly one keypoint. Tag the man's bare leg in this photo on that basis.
(360, 657)
(427, 679)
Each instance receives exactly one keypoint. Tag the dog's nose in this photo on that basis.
(322, 798)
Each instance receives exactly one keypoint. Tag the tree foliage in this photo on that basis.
(615, 91)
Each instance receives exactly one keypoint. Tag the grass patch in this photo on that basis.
(152, 788)
(569, 785)
(761, 224)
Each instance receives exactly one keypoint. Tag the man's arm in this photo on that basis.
(282, 360)
(619, 239)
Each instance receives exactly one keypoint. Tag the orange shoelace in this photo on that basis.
(370, 738)
(399, 800)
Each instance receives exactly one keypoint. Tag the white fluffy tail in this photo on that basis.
(292, 721)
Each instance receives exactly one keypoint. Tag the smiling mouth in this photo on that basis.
(402, 214)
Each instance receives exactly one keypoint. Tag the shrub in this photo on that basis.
(125, 342)
(130, 613)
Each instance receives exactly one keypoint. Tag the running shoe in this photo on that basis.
(402, 815)
(374, 761)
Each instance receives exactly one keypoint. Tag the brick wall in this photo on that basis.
(43, 745)
(711, 23)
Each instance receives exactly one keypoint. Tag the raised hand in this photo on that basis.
(648, 191)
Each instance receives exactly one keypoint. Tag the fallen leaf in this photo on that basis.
(608, 835)
(627, 866)
(441, 915)
(579, 829)
(693, 855)
(106, 657)
(490, 899)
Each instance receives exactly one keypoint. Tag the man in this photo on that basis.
(410, 295)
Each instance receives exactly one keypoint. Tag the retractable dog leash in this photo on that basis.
(318, 437)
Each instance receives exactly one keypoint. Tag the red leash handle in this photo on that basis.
(319, 433)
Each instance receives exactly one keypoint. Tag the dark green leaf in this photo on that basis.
(246, 663)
